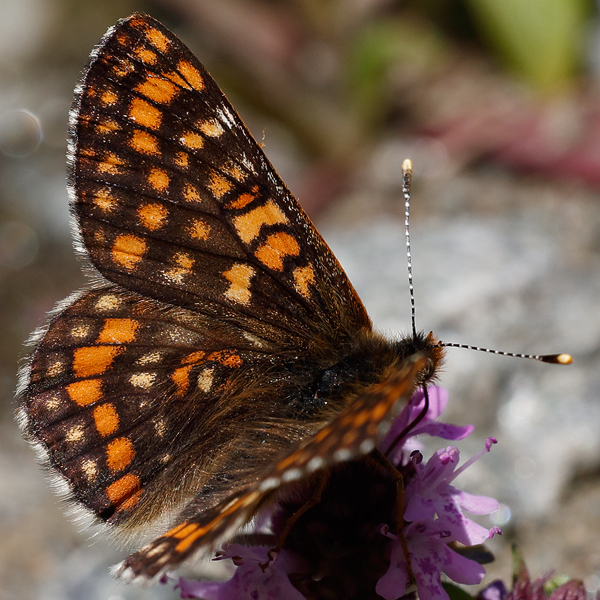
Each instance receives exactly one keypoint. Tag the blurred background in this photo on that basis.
(497, 102)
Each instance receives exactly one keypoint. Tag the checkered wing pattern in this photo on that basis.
(176, 201)
(351, 433)
(137, 405)
(221, 336)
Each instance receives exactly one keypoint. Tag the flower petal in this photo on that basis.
(476, 505)
(462, 569)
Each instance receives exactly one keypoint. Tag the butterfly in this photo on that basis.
(219, 355)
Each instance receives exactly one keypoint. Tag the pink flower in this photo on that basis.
(430, 493)
(338, 547)
(429, 557)
(434, 511)
(252, 579)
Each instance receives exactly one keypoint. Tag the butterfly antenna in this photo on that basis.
(406, 183)
(555, 359)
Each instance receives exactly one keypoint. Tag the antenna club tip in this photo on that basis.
(407, 167)
(558, 359)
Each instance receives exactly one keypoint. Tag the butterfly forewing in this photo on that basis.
(175, 199)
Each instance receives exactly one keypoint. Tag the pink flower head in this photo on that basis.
(430, 493)
(339, 548)
(434, 511)
(430, 556)
(438, 399)
(257, 577)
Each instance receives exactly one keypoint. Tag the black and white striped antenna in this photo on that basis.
(406, 183)
(557, 359)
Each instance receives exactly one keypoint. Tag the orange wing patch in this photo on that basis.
(184, 260)
(158, 179)
(128, 250)
(108, 126)
(144, 142)
(119, 454)
(85, 392)
(118, 331)
(303, 277)
(93, 360)
(241, 201)
(192, 140)
(218, 185)
(199, 230)
(124, 490)
(143, 113)
(239, 276)
(181, 378)
(211, 127)
(155, 37)
(109, 97)
(145, 55)
(157, 89)
(191, 74)
(190, 193)
(248, 225)
(104, 200)
(152, 216)
(182, 160)
(111, 164)
(106, 419)
(275, 248)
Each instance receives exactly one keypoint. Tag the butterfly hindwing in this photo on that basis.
(353, 432)
(130, 399)
(175, 199)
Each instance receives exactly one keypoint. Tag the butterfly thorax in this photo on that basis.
(369, 361)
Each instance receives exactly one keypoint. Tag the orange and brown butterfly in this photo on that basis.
(220, 355)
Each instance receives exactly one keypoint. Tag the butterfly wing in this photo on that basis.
(196, 368)
(175, 199)
(353, 432)
(137, 406)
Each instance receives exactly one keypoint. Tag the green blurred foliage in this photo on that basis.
(542, 41)
(455, 592)
(381, 48)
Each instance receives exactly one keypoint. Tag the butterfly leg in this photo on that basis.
(382, 460)
(291, 521)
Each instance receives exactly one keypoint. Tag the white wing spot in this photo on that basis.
(142, 380)
(366, 446)
(80, 331)
(269, 483)
(53, 403)
(205, 379)
(151, 357)
(75, 434)
(90, 469)
(56, 368)
(160, 427)
(315, 463)
(342, 454)
(291, 475)
(108, 302)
